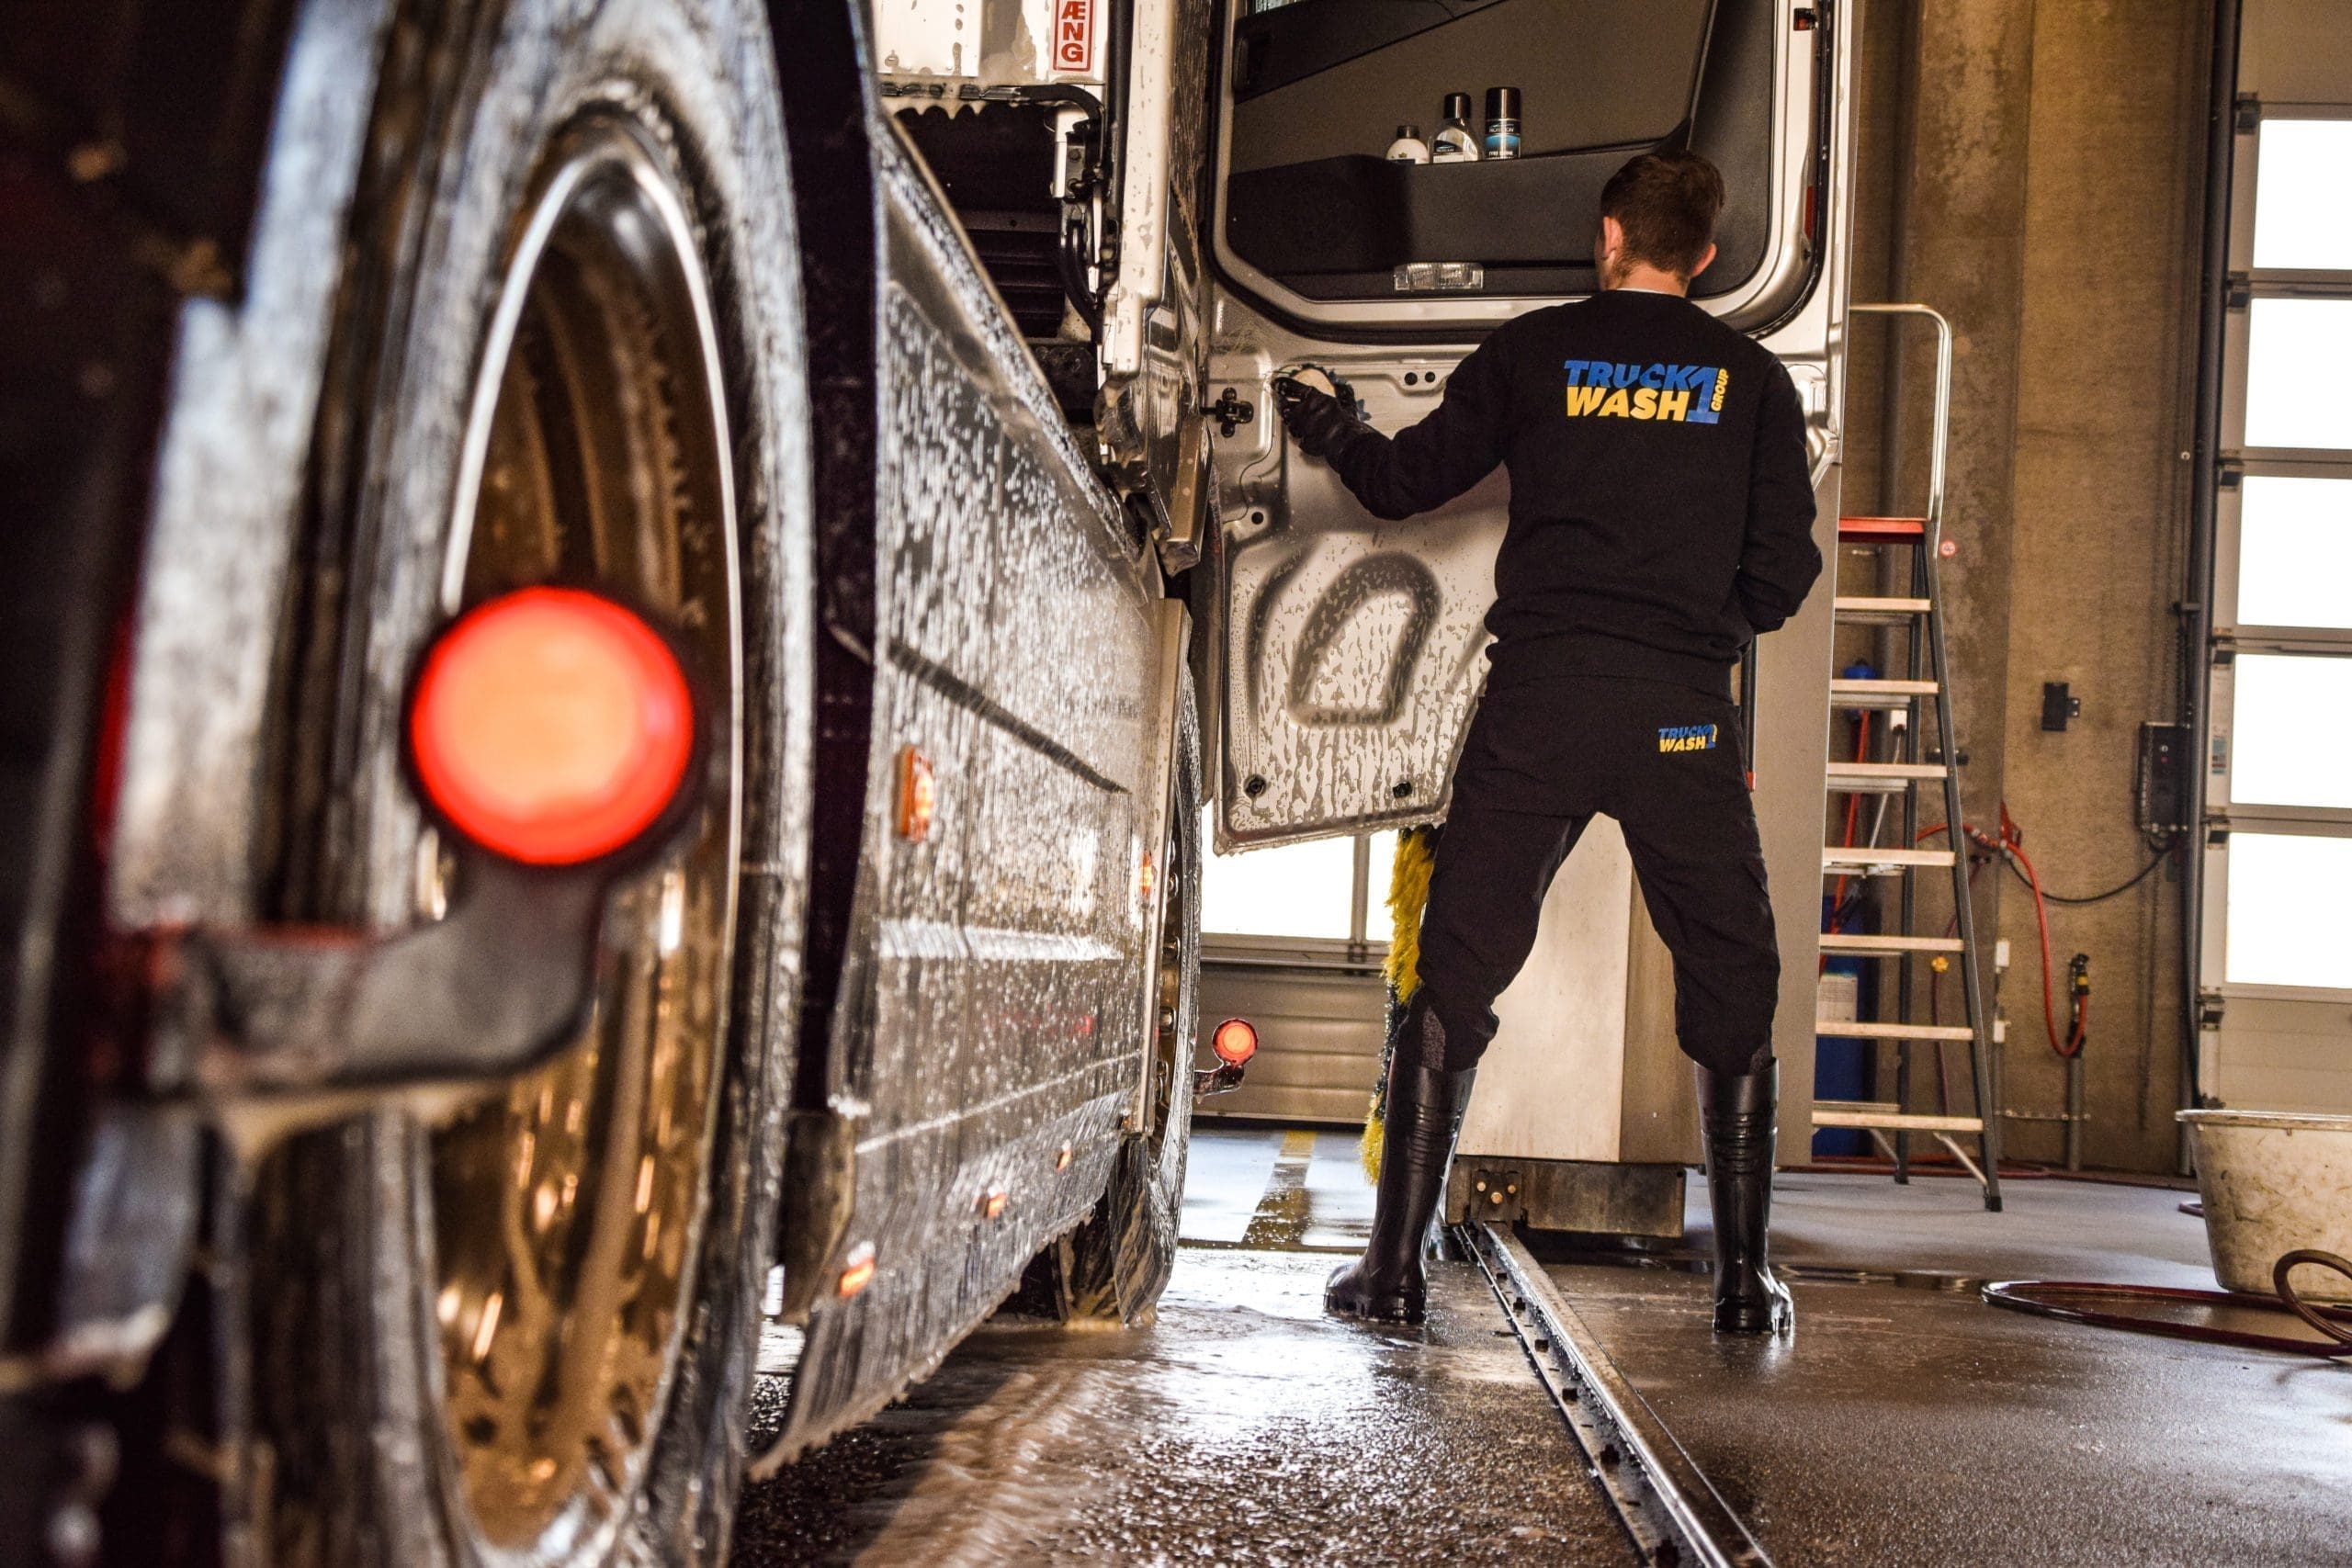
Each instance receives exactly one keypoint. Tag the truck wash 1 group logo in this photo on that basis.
(1686, 738)
(1686, 394)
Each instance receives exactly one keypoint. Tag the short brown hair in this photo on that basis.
(1668, 203)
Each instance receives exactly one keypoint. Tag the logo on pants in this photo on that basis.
(1686, 738)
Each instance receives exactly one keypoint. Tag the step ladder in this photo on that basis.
(1892, 785)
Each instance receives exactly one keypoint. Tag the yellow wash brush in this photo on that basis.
(1408, 890)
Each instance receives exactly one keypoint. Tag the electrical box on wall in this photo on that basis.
(2059, 705)
(2165, 750)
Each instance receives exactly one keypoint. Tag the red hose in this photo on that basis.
(2074, 1043)
(2008, 844)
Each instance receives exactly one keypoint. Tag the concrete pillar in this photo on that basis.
(2107, 352)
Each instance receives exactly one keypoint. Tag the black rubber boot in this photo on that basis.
(1736, 1111)
(1388, 1283)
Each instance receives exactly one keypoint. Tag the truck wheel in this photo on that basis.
(1112, 1268)
(520, 1330)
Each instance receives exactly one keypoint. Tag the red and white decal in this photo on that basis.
(1074, 36)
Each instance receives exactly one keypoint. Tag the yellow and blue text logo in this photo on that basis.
(1686, 738)
(1686, 394)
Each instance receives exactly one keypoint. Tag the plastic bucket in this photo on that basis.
(2272, 1181)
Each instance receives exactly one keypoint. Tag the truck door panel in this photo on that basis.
(1350, 648)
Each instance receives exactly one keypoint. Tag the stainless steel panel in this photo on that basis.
(1590, 1199)
(1792, 800)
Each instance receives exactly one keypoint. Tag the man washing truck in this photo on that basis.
(1661, 518)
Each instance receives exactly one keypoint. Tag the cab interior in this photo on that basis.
(1316, 90)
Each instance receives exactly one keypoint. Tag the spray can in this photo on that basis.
(1502, 122)
(1455, 142)
(1409, 147)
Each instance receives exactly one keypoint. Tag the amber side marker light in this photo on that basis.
(1235, 1042)
(550, 725)
(918, 795)
(858, 1272)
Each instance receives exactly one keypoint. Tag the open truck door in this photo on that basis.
(1349, 650)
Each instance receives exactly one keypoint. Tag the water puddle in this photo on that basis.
(1243, 1425)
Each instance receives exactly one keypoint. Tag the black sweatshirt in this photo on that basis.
(1661, 510)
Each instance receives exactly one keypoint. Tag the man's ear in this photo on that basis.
(1704, 262)
(1612, 236)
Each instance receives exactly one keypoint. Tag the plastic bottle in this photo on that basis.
(1502, 122)
(1409, 147)
(1455, 142)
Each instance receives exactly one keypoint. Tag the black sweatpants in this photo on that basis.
(1545, 753)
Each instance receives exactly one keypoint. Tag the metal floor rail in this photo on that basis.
(1672, 1514)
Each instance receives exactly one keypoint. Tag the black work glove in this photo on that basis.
(1321, 424)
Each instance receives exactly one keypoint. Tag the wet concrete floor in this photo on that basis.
(1907, 1421)
(1243, 1427)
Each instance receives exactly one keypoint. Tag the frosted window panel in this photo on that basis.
(2288, 742)
(2300, 219)
(2291, 910)
(1298, 890)
(2294, 551)
(2299, 373)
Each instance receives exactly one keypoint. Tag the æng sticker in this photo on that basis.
(1074, 36)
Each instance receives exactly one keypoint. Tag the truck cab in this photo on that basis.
(908, 366)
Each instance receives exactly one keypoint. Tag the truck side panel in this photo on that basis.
(982, 1024)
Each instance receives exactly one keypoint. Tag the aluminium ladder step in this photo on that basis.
(1878, 608)
(1878, 861)
(1870, 1028)
(1880, 1113)
(1882, 778)
(1873, 944)
(1854, 692)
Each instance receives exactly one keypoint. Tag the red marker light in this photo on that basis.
(1235, 1042)
(551, 726)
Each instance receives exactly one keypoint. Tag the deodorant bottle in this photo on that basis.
(1409, 147)
(1502, 122)
(1455, 142)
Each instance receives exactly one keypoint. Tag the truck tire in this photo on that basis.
(1114, 1265)
(517, 1326)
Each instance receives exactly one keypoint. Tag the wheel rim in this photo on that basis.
(566, 1211)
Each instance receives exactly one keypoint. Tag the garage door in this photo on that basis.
(2277, 955)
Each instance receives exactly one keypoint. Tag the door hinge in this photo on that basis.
(1230, 412)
